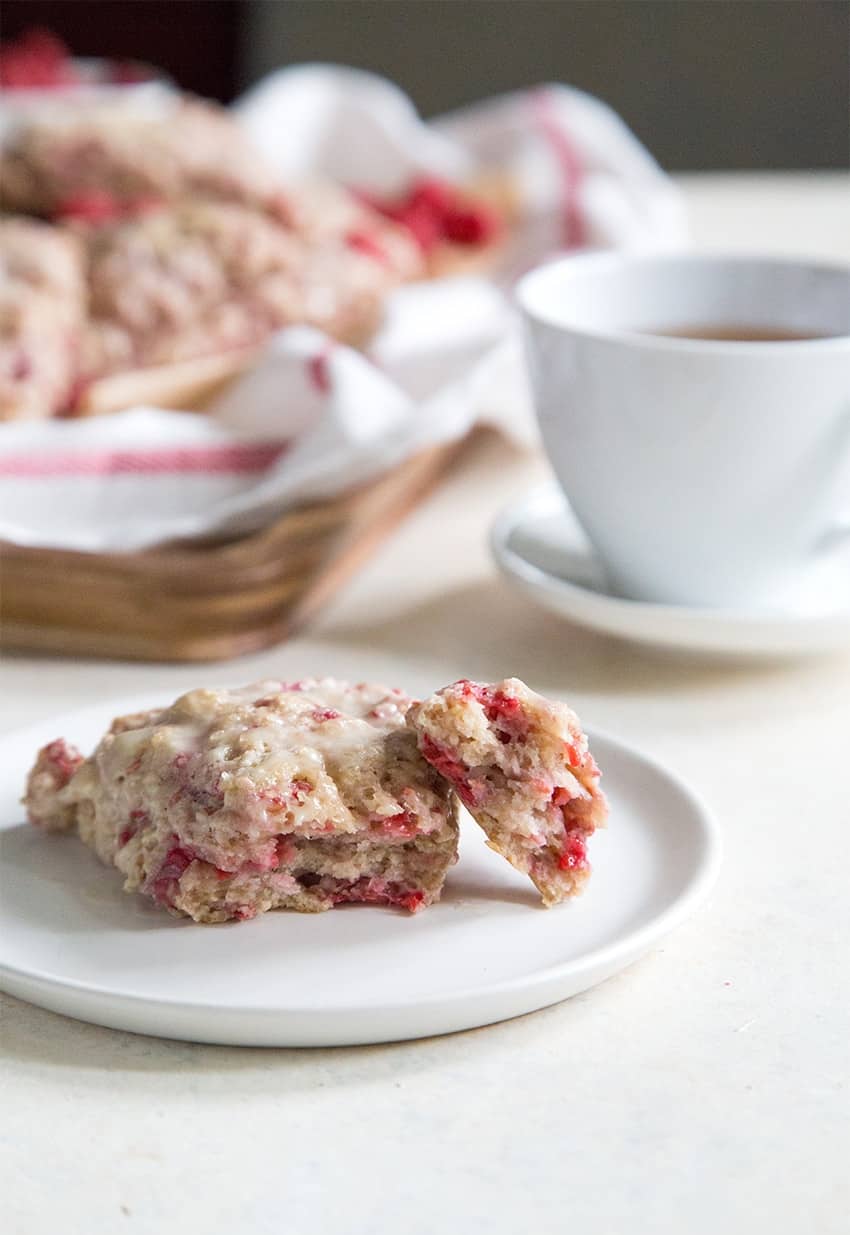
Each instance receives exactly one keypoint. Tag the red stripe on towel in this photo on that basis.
(197, 460)
(319, 369)
(569, 165)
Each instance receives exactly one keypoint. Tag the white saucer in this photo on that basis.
(73, 942)
(538, 544)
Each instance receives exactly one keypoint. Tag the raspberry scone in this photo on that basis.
(97, 164)
(521, 766)
(203, 278)
(41, 311)
(94, 160)
(300, 795)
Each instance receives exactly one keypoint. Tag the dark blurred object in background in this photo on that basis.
(196, 43)
(704, 83)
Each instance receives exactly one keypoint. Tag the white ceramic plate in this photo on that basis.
(539, 546)
(71, 940)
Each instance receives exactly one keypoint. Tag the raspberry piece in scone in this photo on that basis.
(448, 224)
(300, 795)
(53, 769)
(521, 766)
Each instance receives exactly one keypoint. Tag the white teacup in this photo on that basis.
(705, 471)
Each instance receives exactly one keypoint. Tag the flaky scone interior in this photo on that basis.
(521, 766)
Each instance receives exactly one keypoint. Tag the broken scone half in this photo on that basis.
(521, 766)
(298, 795)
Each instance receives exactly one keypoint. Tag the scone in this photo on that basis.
(41, 314)
(521, 766)
(96, 160)
(203, 278)
(99, 315)
(300, 795)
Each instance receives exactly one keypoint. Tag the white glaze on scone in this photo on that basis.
(521, 766)
(229, 803)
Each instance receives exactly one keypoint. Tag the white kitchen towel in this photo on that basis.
(578, 175)
(310, 420)
(313, 418)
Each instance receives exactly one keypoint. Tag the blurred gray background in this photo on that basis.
(704, 83)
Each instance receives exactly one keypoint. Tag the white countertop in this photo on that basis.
(703, 1090)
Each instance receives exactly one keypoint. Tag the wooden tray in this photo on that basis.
(209, 600)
